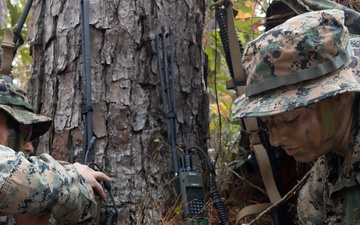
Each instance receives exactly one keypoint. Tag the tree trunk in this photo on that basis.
(128, 119)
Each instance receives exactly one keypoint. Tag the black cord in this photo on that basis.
(209, 164)
(220, 207)
(111, 215)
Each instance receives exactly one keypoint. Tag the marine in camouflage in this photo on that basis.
(39, 185)
(307, 59)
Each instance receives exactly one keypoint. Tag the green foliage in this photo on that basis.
(224, 132)
(14, 12)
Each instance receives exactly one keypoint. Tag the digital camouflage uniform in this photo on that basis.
(307, 59)
(39, 185)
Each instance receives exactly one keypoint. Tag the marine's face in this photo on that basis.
(25, 132)
(310, 132)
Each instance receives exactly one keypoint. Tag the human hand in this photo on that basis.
(32, 220)
(93, 177)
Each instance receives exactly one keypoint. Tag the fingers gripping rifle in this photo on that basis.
(265, 160)
(11, 43)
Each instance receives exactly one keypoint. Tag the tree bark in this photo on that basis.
(128, 119)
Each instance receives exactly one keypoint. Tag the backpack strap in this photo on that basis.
(254, 209)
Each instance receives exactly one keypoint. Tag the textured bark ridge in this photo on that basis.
(128, 118)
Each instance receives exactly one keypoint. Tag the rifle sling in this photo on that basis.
(7, 53)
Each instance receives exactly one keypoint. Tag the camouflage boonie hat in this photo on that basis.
(306, 59)
(14, 102)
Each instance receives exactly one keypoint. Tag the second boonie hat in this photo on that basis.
(13, 101)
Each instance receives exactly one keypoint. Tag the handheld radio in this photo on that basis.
(188, 183)
(192, 188)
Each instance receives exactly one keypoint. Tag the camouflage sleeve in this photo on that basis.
(41, 185)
